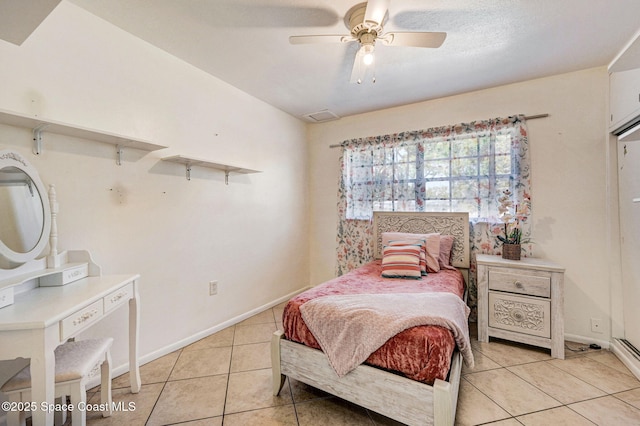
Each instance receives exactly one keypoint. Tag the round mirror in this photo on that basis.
(25, 219)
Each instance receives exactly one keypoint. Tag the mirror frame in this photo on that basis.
(9, 158)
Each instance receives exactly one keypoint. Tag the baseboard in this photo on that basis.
(629, 359)
(604, 344)
(123, 368)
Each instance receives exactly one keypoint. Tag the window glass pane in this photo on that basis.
(503, 144)
(503, 164)
(385, 206)
(464, 189)
(404, 191)
(437, 189)
(382, 156)
(405, 171)
(405, 206)
(436, 169)
(406, 153)
(382, 191)
(502, 184)
(360, 157)
(436, 205)
(484, 145)
(470, 206)
(464, 167)
(485, 166)
(484, 208)
(464, 147)
(360, 175)
(483, 187)
(436, 150)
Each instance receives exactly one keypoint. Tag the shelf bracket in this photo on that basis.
(37, 138)
(226, 177)
(119, 155)
(188, 171)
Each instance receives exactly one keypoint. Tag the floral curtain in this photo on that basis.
(463, 167)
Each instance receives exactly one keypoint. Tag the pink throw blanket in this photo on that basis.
(349, 328)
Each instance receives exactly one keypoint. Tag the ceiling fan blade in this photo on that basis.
(414, 39)
(376, 11)
(356, 70)
(314, 39)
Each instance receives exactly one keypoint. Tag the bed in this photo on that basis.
(422, 395)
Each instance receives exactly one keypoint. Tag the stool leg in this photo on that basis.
(79, 395)
(60, 417)
(105, 385)
(16, 418)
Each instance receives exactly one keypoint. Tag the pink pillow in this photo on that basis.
(401, 262)
(433, 245)
(446, 244)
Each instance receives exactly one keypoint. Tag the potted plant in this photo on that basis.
(511, 216)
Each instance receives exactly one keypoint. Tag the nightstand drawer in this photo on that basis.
(528, 315)
(523, 282)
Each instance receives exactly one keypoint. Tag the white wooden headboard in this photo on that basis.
(446, 223)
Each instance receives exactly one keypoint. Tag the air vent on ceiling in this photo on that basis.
(321, 116)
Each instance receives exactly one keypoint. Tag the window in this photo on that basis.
(464, 167)
(448, 169)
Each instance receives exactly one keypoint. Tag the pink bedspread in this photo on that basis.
(421, 353)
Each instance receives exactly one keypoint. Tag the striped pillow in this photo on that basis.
(401, 262)
(423, 251)
(433, 245)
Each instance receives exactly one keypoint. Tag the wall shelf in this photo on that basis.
(191, 161)
(40, 125)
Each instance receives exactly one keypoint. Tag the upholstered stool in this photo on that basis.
(76, 363)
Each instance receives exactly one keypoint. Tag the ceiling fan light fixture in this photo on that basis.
(367, 54)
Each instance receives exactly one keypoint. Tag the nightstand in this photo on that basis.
(521, 301)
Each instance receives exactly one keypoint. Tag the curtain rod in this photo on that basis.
(526, 117)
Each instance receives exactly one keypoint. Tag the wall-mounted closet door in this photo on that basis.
(629, 196)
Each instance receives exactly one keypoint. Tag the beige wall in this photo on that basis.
(144, 216)
(569, 151)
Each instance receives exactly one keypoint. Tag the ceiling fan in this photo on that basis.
(365, 22)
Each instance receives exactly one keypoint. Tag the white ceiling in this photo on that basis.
(489, 43)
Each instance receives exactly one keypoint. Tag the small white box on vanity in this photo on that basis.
(6, 297)
(67, 274)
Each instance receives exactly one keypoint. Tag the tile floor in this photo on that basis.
(226, 379)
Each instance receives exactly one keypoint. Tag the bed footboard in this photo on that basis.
(391, 395)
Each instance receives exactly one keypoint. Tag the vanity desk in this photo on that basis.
(47, 300)
(42, 318)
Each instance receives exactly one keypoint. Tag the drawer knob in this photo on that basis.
(518, 284)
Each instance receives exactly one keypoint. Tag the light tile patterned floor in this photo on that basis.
(226, 379)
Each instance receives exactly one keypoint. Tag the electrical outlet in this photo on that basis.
(596, 325)
(213, 288)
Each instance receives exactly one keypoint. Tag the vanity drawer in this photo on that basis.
(118, 297)
(527, 315)
(522, 283)
(81, 319)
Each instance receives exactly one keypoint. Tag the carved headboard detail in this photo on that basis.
(455, 223)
